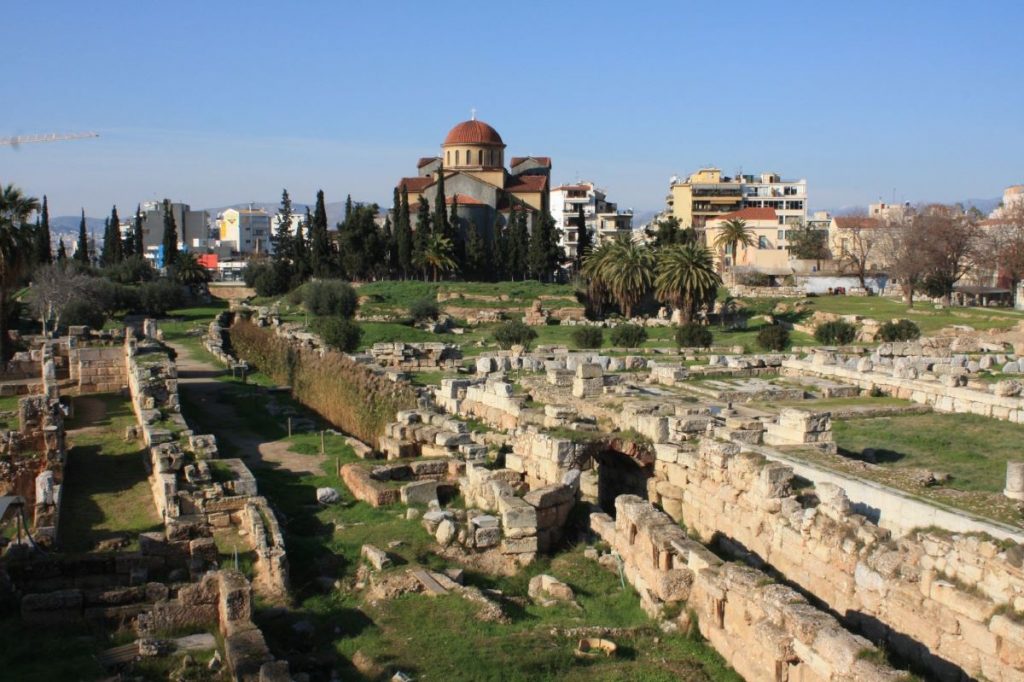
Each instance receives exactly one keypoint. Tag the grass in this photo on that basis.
(971, 448)
(9, 404)
(106, 492)
(837, 403)
(181, 325)
(923, 313)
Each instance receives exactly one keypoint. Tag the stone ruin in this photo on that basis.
(417, 357)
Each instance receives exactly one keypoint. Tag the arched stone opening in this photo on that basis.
(622, 468)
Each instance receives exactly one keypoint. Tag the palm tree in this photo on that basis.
(437, 255)
(734, 232)
(15, 247)
(188, 271)
(686, 277)
(629, 270)
(594, 270)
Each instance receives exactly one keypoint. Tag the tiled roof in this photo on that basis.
(463, 200)
(749, 214)
(857, 222)
(542, 160)
(527, 183)
(572, 188)
(417, 184)
(473, 132)
(425, 160)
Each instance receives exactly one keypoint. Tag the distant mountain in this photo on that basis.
(68, 225)
(641, 218)
(984, 205)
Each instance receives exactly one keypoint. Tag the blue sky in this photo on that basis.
(213, 102)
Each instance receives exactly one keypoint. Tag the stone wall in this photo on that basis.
(904, 379)
(765, 630)
(98, 369)
(416, 357)
(910, 592)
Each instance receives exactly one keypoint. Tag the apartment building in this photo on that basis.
(245, 230)
(602, 218)
(192, 226)
(707, 195)
(768, 253)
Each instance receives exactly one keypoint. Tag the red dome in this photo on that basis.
(473, 132)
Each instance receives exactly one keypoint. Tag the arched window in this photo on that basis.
(456, 157)
(447, 158)
(480, 158)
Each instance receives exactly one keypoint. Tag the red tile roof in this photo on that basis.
(542, 160)
(527, 183)
(417, 184)
(748, 214)
(572, 188)
(463, 200)
(857, 222)
(473, 132)
(425, 160)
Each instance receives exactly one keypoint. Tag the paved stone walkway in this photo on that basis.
(198, 378)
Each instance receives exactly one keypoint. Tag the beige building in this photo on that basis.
(768, 254)
(245, 230)
(706, 195)
(859, 235)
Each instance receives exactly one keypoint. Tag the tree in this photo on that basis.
(437, 255)
(477, 261)
(621, 269)
(458, 240)
(319, 241)
(139, 248)
(901, 247)
(670, 231)
(499, 248)
(595, 270)
(82, 248)
(189, 272)
(360, 243)
(544, 254)
(170, 241)
(517, 257)
(1001, 246)
(42, 250)
(422, 235)
(441, 223)
(284, 245)
(15, 247)
(950, 245)
(300, 249)
(860, 238)
(733, 234)
(686, 278)
(389, 265)
(113, 252)
(54, 291)
(583, 242)
(62, 253)
(403, 232)
(807, 243)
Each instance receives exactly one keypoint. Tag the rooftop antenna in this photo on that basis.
(472, 114)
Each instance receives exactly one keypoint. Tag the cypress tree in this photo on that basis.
(282, 239)
(544, 252)
(62, 253)
(41, 241)
(300, 247)
(390, 261)
(348, 208)
(519, 246)
(137, 235)
(422, 234)
(457, 236)
(403, 235)
(441, 222)
(170, 240)
(113, 253)
(82, 249)
(476, 254)
(582, 238)
(319, 243)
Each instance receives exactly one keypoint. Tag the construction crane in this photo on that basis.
(49, 137)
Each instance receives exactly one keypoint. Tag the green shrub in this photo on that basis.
(512, 334)
(693, 335)
(628, 336)
(424, 309)
(132, 270)
(156, 298)
(835, 333)
(901, 330)
(267, 279)
(773, 337)
(82, 311)
(330, 297)
(587, 337)
(339, 333)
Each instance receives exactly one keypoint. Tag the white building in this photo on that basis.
(295, 220)
(889, 212)
(788, 198)
(602, 218)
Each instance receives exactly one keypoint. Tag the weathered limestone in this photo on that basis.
(766, 631)
(416, 356)
(894, 590)
(589, 381)
(801, 427)
(1014, 480)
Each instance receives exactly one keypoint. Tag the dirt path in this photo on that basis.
(198, 378)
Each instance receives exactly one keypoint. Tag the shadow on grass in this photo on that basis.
(879, 456)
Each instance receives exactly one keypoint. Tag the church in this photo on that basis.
(476, 181)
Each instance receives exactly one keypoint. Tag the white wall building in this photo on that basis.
(602, 218)
(245, 230)
(294, 221)
(788, 198)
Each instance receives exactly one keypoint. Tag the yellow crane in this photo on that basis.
(47, 137)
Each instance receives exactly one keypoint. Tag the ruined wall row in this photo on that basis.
(766, 631)
(934, 598)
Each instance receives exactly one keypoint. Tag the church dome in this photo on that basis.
(473, 132)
